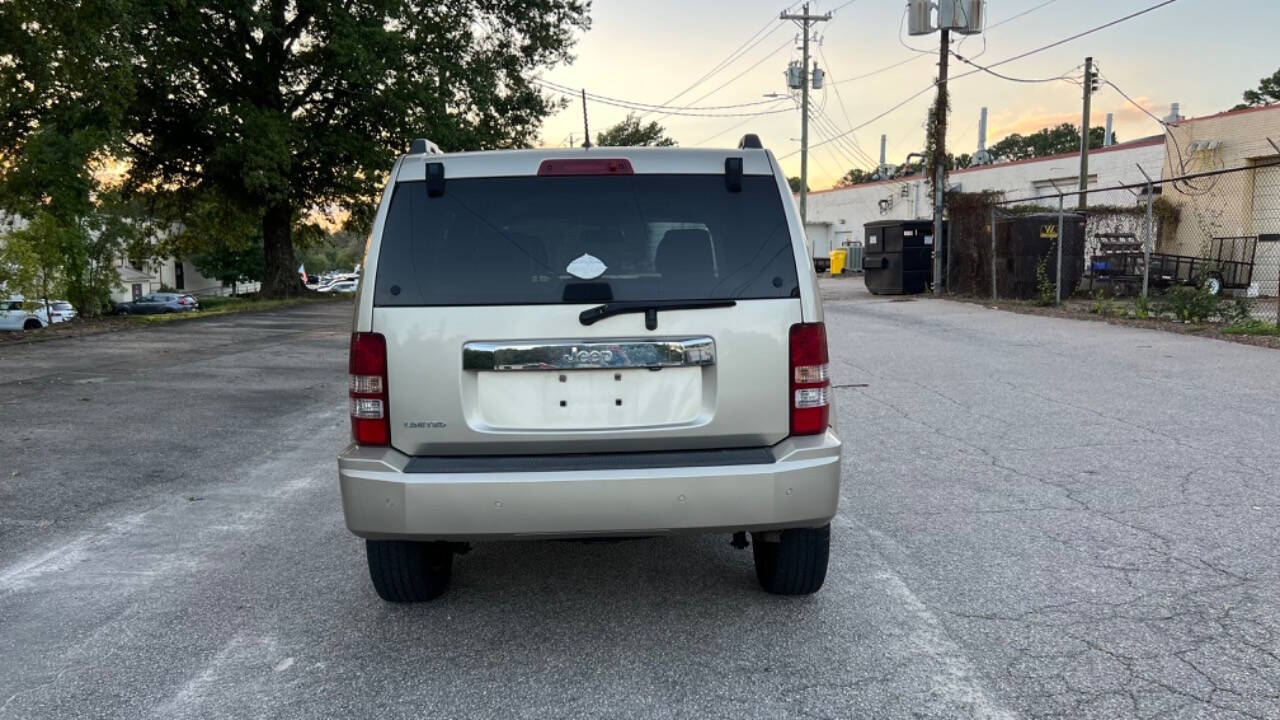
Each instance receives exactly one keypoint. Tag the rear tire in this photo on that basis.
(404, 571)
(32, 325)
(1213, 284)
(796, 564)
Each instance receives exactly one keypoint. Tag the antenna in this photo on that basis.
(586, 130)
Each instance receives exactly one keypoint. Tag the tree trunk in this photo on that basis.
(279, 277)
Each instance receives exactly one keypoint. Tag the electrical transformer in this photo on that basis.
(795, 76)
(966, 17)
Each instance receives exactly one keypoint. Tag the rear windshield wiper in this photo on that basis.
(650, 309)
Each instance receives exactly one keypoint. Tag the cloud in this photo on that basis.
(1029, 120)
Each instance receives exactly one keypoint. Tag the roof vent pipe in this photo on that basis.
(982, 157)
(1107, 139)
(982, 130)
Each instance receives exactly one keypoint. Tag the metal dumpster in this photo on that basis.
(897, 256)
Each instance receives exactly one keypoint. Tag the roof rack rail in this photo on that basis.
(750, 141)
(423, 146)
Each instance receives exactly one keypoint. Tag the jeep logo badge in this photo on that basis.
(588, 357)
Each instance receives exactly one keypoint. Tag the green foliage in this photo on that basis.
(1268, 92)
(1252, 326)
(1105, 306)
(1144, 306)
(1064, 138)
(222, 239)
(941, 106)
(31, 258)
(1190, 304)
(856, 176)
(1046, 289)
(232, 264)
(333, 251)
(1239, 310)
(278, 107)
(794, 182)
(632, 133)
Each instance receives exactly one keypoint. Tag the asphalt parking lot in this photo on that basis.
(1040, 518)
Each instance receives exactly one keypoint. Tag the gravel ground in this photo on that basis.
(1040, 518)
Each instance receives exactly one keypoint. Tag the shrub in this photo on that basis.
(1046, 290)
(1252, 326)
(1191, 304)
(1144, 307)
(1105, 306)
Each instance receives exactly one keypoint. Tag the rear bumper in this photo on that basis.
(800, 488)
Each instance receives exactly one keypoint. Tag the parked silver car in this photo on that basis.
(158, 303)
(588, 343)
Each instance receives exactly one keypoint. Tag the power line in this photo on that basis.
(902, 25)
(721, 86)
(574, 94)
(929, 53)
(734, 55)
(1077, 36)
(1020, 56)
(1011, 18)
(913, 96)
(735, 126)
(856, 153)
(989, 71)
(839, 98)
(846, 156)
(638, 104)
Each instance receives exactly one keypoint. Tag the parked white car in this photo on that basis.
(21, 315)
(59, 310)
(342, 286)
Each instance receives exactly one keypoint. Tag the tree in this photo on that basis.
(283, 106)
(632, 133)
(856, 176)
(222, 240)
(794, 182)
(1064, 138)
(58, 117)
(232, 264)
(1268, 92)
(31, 258)
(340, 250)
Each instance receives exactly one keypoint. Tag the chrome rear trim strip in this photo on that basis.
(588, 355)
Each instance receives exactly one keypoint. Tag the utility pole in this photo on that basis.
(940, 159)
(924, 18)
(1089, 82)
(586, 130)
(805, 20)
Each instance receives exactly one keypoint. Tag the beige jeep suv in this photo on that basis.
(602, 342)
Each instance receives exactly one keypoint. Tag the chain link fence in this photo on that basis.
(1203, 247)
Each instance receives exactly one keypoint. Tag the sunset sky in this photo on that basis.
(1200, 53)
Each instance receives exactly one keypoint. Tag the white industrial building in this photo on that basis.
(836, 217)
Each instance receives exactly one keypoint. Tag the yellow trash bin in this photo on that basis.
(838, 260)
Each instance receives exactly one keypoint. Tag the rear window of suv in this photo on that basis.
(524, 240)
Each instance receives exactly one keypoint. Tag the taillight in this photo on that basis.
(367, 389)
(810, 379)
(585, 166)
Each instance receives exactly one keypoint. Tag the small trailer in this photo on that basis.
(1229, 266)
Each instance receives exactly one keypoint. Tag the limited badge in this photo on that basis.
(587, 267)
